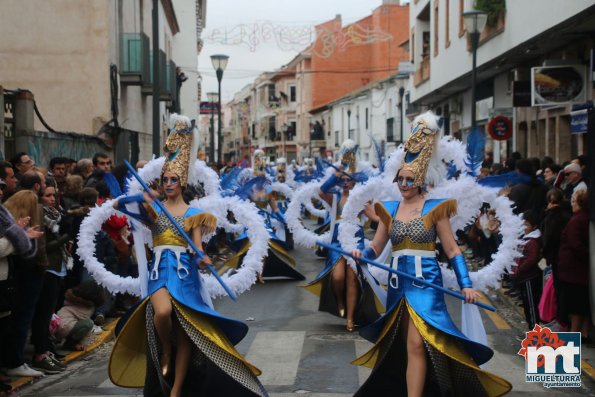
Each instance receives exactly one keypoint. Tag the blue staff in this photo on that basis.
(405, 275)
(182, 232)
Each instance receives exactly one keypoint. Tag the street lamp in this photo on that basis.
(474, 21)
(219, 63)
(212, 97)
(348, 105)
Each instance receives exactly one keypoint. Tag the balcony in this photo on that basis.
(134, 59)
(167, 78)
(168, 86)
(423, 73)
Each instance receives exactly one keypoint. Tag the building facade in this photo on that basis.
(509, 49)
(294, 109)
(88, 65)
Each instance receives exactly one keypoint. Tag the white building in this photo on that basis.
(88, 65)
(522, 35)
(373, 111)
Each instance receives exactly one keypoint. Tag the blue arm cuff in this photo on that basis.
(369, 253)
(460, 267)
(330, 183)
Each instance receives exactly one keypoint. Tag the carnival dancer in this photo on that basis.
(281, 177)
(417, 349)
(279, 263)
(174, 342)
(282, 191)
(342, 292)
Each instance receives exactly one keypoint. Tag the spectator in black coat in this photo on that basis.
(530, 195)
(557, 214)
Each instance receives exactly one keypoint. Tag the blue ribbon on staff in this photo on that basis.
(340, 170)
(182, 232)
(405, 275)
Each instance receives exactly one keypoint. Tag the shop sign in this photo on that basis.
(556, 85)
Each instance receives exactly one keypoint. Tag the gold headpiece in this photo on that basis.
(178, 147)
(420, 146)
(259, 163)
(348, 155)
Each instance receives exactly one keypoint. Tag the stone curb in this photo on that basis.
(99, 340)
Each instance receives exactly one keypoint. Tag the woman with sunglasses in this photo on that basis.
(417, 348)
(190, 345)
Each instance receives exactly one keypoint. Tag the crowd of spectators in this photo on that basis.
(47, 297)
(553, 202)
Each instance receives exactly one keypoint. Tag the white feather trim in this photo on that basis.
(469, 196)
(301, 235)
(245, 213)
(86, 251)
(429, 118)
(282, 188)
(207, 177)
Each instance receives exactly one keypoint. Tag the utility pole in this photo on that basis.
(156, 82)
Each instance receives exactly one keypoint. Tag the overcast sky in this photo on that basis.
(253, 49)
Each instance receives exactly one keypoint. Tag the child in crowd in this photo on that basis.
(79, 305)
(527, 275)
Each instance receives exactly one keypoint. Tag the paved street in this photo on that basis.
(300, 350)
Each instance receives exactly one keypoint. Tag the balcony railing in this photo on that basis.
(134, 58)
(167, 78)
(168, 91)
(423, 73)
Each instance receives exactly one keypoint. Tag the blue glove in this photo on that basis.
(280, 217)
(135, 198)
(460, 267)
(330, 183)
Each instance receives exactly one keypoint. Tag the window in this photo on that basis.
(461, 22)
(447, 20)
(292, 93)
(436, 27)
(293, 129)
(390, 129)
(412, 46)
(367, 123)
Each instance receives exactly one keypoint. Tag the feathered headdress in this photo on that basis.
(259, 162)
(348, 155)
(178, 148)
(420, 146)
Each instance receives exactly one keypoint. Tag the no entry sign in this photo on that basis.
(500, 128)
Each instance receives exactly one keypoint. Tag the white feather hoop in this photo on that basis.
(282, 188)
(245, 213)
(301, 235)
(86, 251)
(469, 196)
